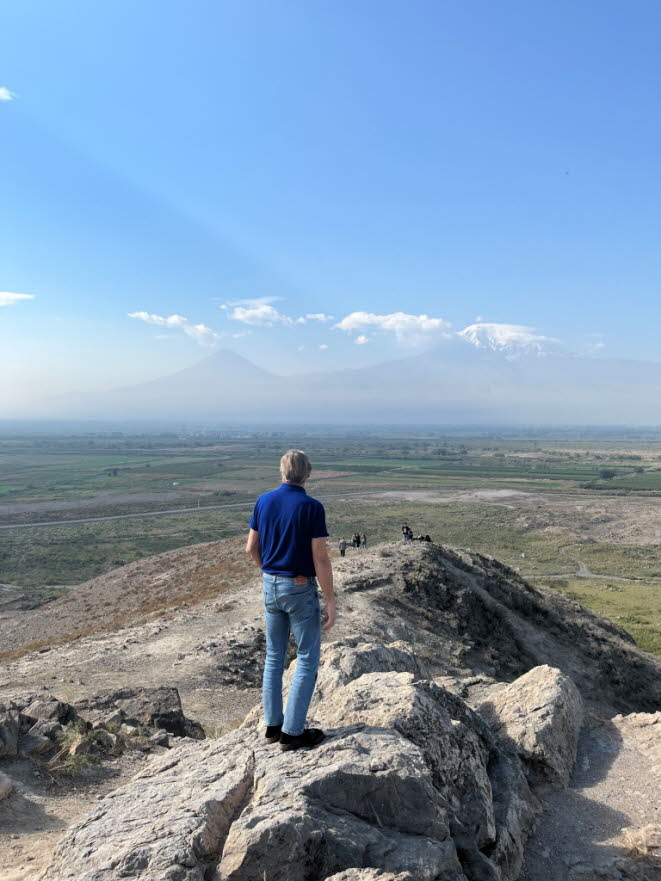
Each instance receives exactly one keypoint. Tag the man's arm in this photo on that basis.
(253, 548)
(324, 573)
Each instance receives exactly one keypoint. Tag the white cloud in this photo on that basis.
(202, 334)
(323, 346)
(512, 339)
(361, 340)
(260, 312)
(6, 94)
(250, 301)
(317, 316)
(409, 329)
(261, 315)
(7, 298)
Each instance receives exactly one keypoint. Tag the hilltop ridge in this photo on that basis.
(460, 621)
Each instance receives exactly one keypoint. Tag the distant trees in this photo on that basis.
(607, 473)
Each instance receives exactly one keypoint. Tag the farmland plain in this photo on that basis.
(559, 506)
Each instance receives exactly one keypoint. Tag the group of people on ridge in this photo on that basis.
(407, 535)
(357, 541)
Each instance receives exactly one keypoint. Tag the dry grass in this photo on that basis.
(214, 732)
(643, 844)
(137, 593)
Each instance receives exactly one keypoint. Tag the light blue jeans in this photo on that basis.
(295, 607)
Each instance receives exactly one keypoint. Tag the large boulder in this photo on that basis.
(47, 708)
(9, 730)
(539, 716)
(157, 708)
(403, 784)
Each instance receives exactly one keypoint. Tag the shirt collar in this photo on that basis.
(293, 486)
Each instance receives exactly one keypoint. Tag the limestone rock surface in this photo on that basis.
(409, 780)
(539, 716)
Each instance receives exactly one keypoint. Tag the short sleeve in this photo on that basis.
(319, 522)
(254, 520)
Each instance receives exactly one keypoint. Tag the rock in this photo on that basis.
(6, 786)
(644, 729)
(46, 728)
(403, 783)
(615, 869)
(369, 875)
(129, 730)
(456, 755)
(33, 744)
(50, 709)
(112, 722)
(110, 743)
(161, 738)
(539, 716)
(238, 659)
(140, 707)
(9, 727)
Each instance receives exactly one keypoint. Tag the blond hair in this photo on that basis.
(295, 467)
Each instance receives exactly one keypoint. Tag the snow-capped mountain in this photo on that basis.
(510, 340)
(476, 377)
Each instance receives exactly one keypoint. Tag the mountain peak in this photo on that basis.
(511, 340)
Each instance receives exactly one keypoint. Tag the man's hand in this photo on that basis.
(253, 548)
(328, 615)
(324, 573)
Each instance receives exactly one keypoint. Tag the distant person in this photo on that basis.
(356, 540)
(427, 538)
(343, 547)
(287, 540)
(405, 532)
(363, 541)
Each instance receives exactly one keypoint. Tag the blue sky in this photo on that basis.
(487, 159)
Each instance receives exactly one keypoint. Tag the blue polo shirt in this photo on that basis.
(287, 519)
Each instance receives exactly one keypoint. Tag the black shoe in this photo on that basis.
(273, 733)
(309, 738)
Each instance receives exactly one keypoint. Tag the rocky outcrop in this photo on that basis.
(539, 717)
(467, 614)
(41, 726)
(409, 780)
(155, 708)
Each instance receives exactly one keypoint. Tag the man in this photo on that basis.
(343, 547)
(287, 540)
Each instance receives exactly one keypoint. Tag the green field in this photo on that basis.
(216, 465)
(61, 477)
(635, 607)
